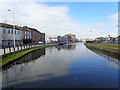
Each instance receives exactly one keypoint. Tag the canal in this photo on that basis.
(70, 65)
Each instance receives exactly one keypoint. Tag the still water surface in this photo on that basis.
(70, 65)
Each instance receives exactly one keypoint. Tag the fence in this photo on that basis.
(11, 49)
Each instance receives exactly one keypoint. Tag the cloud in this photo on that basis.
(63, 1)
(39, 15)
(53, 20)
(114, 17)
(115, 21)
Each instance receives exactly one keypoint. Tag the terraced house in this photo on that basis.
(7, 34)
(36, 35)
(27, 35)
(23, 35)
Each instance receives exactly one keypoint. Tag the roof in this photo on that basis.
(25, 28)
(100, 38)
(118, 37)
(32, 29)
(4, 25)
(70, 34)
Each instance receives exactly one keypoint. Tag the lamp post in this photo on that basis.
(13, 25)
(44, 36)
(90, 34)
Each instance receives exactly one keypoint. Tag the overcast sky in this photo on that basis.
(85, 19)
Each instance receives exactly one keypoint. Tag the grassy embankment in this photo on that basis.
(112, 48)
(19, 54)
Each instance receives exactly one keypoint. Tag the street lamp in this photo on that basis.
(13, 25)
(91, 38)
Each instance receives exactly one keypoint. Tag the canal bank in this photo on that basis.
(4, 61)
(104, 47)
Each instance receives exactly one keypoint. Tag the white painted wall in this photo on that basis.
(0, 34)
(47, 40)
(10, 36)
(0, 38)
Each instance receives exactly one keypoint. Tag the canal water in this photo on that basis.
(71, 65)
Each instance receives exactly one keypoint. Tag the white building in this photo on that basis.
(7, 35)
(47, 39)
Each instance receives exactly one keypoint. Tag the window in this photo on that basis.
(9, 31)
(12, 31)
(18, 32)
(4, 30)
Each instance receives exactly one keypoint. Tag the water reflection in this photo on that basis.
(110, 56)
(61, 66)
(66, 47)
(27, 58)
(23, 70)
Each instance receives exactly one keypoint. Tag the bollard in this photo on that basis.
(14, 48)
(24, 46)
(3, 48)
(30, 45)
(17, 48)
(9, 48)
(21, 46)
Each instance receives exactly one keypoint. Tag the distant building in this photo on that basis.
(100, 40)
(53, 39)
(62, 39)
(36, 35)
(71, 37)
(42, 37)
(108, 39)
(117, 40)
(47, 39)
(111, 40)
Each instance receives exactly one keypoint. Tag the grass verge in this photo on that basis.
(18, 55)
(113, 48)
